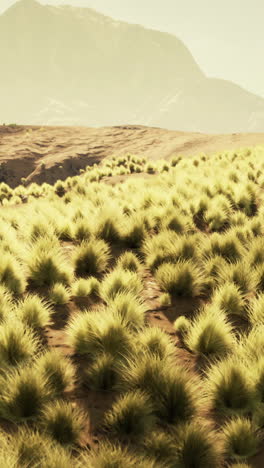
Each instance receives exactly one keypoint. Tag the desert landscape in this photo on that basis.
(46, 154)
(131, 234)
(132, 301)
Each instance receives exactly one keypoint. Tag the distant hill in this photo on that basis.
(73, 66)
(46, 154)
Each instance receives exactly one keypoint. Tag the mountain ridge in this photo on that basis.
(105, 72)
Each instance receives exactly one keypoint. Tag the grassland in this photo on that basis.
(132, 315)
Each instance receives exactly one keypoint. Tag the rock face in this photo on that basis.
(74, 66)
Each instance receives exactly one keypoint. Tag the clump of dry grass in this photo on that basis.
(91, 258)
(181, 279)
(63, 422)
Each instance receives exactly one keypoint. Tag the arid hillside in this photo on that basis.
(46, 154)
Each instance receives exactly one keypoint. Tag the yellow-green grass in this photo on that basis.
(186, 241)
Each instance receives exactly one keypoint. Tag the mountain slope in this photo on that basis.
(74, 66)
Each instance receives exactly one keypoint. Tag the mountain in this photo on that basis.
(73, 66)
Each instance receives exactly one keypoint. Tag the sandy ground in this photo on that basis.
(46, 154)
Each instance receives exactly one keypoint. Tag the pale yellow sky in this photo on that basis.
(226, 37)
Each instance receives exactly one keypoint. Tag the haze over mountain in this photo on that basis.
(74, 66)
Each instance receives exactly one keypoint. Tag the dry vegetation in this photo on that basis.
(132, 316)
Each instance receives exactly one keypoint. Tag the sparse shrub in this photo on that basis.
(210, 334)
(23, 394)
(91, 258)
(241, 275)
(241, 439)
(113, 456)
(119, 281)
(160, 446)
(129, 261)
(150, 168)
(134, 231)
(225, 245)
(175, 160)
(129, 308)
(196, 446)
(57, 371)
(64, 229)
(85, 287)
(34, 312)
(40, 228)
(230, 299)
(177, 223)
(47, 266)
(256, 253)
(82, 230)
(252, 344)
(230, 388)
(170, 388)
(156, 342)
(213, 266)
(168, 247)
(165, 300)
(102, 374)
(31, 447)
(258, 275)
(63, 422)
(17, 343)
(94, 333)
(59, 188)
(256, 310)
(132, 414)
(107, 227)
(182, 326)
(11, 274)
(59, 294)
(182, 279)
(6, 305)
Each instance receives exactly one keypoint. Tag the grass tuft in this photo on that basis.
(94, 333)
(57, 371)
(170, 388)
(241, 439)
(91, 258)
(131, 415)
(196, 446)
(6, 305)
(155, 341)
(230, 388)
(129, 308)
(210, 334)
(120, 281)
(230, 299)
(129, 261)
(63, 422)
(102, 374)
(85, 287)
(17, 344)
(34, 312)
(11, 274)
(182, 279)
(59, 294)
(23, 394)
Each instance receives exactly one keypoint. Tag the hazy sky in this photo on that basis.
(226, 37)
